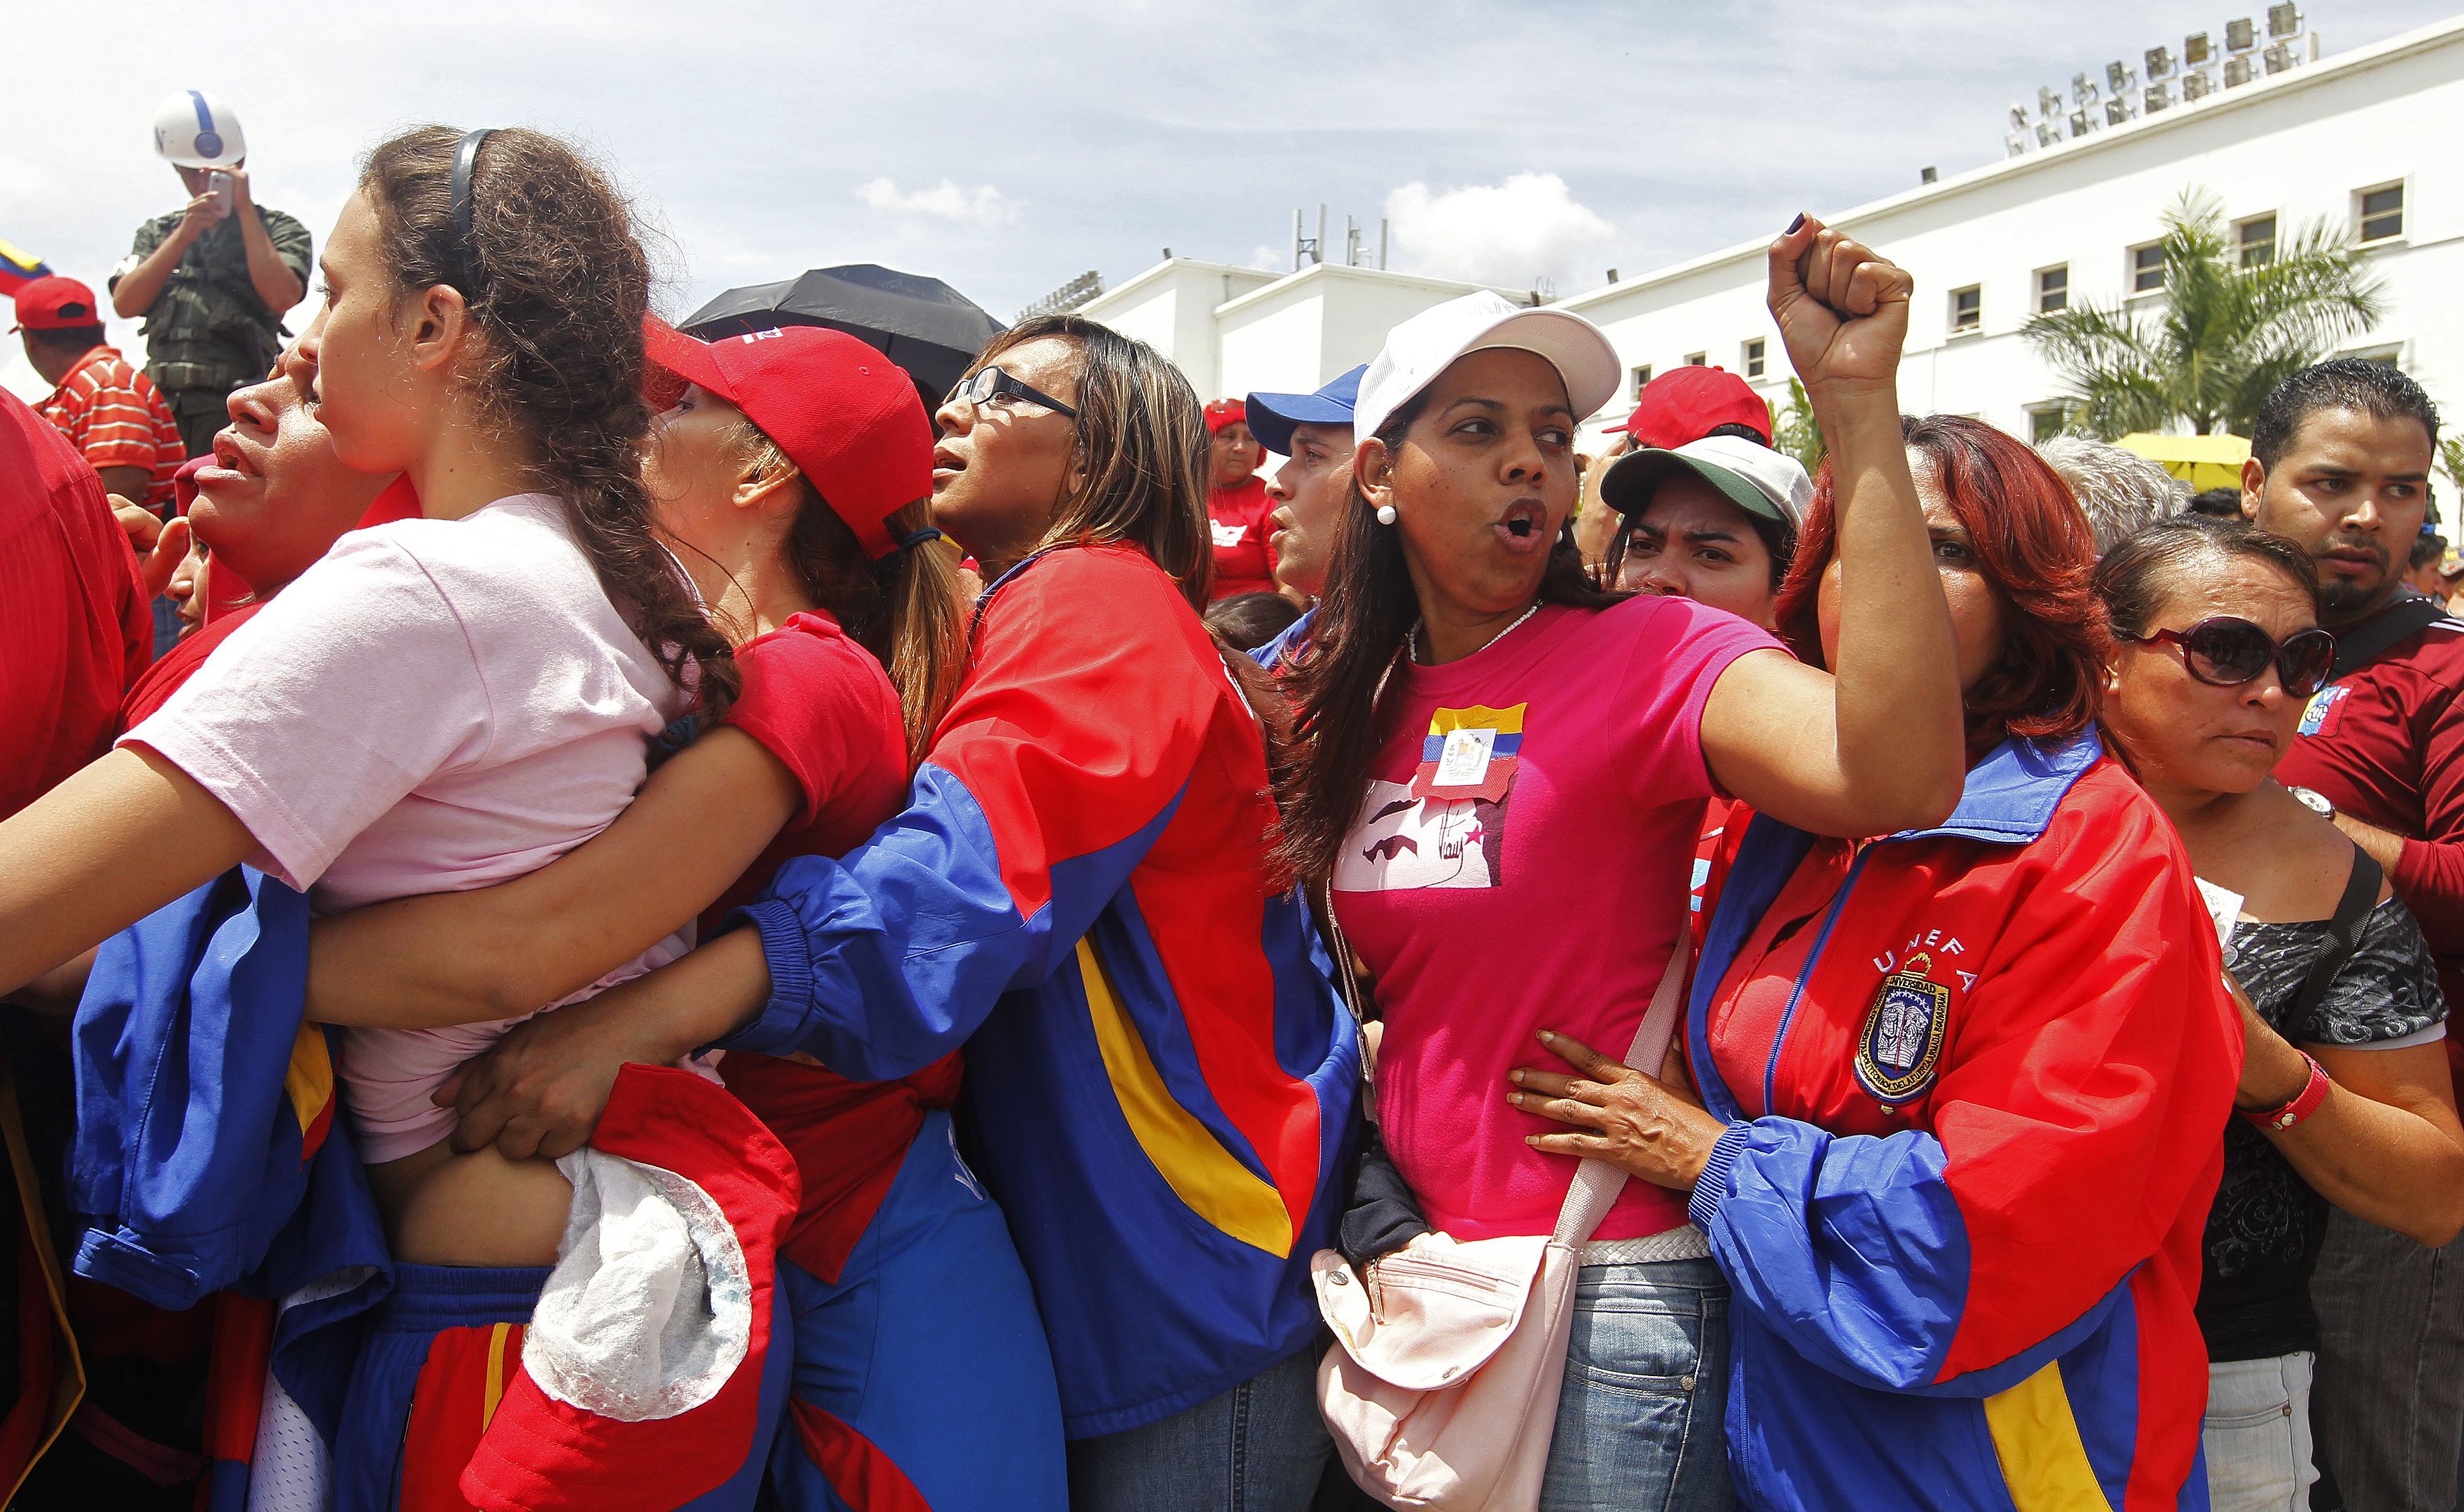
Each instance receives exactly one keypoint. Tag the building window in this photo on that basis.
(2255, 238)
(2148, 268)
(1967, 309)
(1641, 376)
(2053, 289)
(2382, 214)
(1753, 356)
(2044, 424)
(1698, 360)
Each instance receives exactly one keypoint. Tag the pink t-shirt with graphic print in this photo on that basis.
(1548, 895)
(435, 704)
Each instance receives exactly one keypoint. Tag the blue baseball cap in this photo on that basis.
(1272, 416)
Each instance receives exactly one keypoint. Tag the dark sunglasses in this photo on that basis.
(986, 383)
(2228, 652)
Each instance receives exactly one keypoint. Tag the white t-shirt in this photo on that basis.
(436, 705)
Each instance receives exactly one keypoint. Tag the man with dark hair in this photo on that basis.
(109, 411)
(2339, 461)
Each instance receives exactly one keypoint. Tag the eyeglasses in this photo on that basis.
(2226, 652)
(988, 383)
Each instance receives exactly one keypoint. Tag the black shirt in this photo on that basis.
(2264, 1232)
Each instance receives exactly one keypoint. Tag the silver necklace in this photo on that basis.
(1414, 639)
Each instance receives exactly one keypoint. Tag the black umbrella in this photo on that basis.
(922, 324)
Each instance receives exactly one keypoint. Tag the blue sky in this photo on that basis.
(1008, 147)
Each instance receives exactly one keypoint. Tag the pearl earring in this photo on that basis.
(1385, 513)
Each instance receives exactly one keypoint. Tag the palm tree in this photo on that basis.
(1797, 432)
(2227, 334)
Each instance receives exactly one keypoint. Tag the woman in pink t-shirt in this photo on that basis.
(440, 702)
(1502, 771)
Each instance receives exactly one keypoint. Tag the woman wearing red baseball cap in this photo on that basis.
(1237, 505)
(793, 476)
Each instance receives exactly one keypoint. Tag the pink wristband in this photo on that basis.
(2306, 1102)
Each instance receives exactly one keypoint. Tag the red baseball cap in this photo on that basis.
(1226, 412)
(846, 415)
(55, 304)
(1686, 403)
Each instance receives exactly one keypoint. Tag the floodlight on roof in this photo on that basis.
(2119, 79)
(2014, 144)
(2116, 111)
(2159, 63)
(2237, 71)
(2196, 50)
(2240, 36)
(2156, 97)
(2197, 86)
(2019, 118)
(2047, 133)
(2082, 90)
(2081, 124)
(2049, 101)
(2279, 57)
(2283, 21)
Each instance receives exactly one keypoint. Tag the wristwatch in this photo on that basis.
(2313, 801)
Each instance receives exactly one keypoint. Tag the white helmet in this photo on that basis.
(194, 131)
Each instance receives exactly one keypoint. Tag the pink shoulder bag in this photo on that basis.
(1442, 1389)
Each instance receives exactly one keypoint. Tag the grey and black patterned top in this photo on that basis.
(2264, 1230)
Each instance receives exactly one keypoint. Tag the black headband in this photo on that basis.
(466, 254)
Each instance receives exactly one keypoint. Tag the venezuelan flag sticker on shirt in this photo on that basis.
(1469, 753)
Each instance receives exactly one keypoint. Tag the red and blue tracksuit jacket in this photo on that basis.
(1960, 1195)
(202, 1163)
(1164, 1083)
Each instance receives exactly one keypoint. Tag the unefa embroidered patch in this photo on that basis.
(1899, 1048)
(1469, 753)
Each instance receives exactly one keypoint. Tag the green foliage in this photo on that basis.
(2224, 336)
(1797, 432)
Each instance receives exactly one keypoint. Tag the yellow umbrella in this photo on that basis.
(2203, 462)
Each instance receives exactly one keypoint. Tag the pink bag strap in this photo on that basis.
(1598, 1183)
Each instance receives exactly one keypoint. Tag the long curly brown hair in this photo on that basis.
(562, 283)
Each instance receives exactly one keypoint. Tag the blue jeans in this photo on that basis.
(1642, 1426)
(1259, 1447)
(2256, 1435)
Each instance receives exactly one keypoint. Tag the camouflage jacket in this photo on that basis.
(208, 328)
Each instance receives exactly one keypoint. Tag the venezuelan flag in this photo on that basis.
(19, 268)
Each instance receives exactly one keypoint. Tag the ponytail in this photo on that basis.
(905, 608)
(556, 283)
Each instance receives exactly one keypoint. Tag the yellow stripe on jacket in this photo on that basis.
(2038, 1440)
(1204, 1175)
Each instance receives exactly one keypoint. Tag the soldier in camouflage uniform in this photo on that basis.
(211, 281)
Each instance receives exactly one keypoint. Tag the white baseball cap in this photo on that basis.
(195, 130)
(1420, 348)
(1747, 473)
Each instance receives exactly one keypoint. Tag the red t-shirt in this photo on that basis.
(1238, 516)
(2386, 744)
(72, 614)
(1521, 862)
(820, 704)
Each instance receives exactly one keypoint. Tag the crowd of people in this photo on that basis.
(669, 930)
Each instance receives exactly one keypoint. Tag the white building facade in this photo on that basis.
(2370, 141)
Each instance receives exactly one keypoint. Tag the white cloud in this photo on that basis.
(982, 206)
(1530, 226)
(1271, 259)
